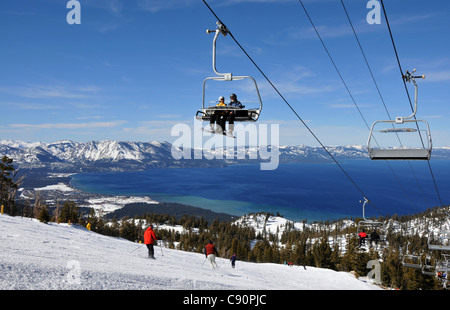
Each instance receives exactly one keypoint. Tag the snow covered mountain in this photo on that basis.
(126, 155)
(37, 256)
(69, 156)
(92, 155)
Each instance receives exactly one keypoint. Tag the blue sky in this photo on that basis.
(134, 68)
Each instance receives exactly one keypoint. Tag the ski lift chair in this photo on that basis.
(442, 268)
(443, 265)
(242, 115)
(439, 267)
(402, 153)
(441, 246)
(427, 268)
(410, 260)
(370, 225)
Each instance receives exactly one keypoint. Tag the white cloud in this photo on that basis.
(70, 125)
(159, 5)
(44, 91)
(438, 76)
(114, 7)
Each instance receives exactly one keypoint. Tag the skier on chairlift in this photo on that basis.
(374, 237)
(362, 237)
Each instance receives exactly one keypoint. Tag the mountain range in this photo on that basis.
(69, 156)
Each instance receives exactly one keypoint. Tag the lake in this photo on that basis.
(297, 191)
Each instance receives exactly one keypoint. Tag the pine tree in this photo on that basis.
(8, 187)
(392, 270)
(44, 215)
(69, 212)
(354, 259)
(322, 254)
(413, 279)
(347, 261)
(128, 230)
(335, 257)
(300, 252)
(234, 246)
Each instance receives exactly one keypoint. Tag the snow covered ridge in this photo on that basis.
(37, 256)
(75, 152)
(100, 203)
(422, 225)
(120, 155)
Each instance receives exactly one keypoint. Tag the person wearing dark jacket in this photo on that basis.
(232, 115)
(149, 240)
(211, 252)
(374, 237)
(233, 260)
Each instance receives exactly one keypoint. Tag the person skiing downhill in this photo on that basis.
(149, 239)
(233, 260)
(211, 252)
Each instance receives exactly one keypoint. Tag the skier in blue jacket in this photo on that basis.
(233, 260)
(232, 115)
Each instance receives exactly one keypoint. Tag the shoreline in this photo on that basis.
(110, 197)
(219, 204)
(109, 202)
(58, 188)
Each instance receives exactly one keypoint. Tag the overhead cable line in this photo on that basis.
(334, 64)
(409, 98)
(384, 104)
(343, 82)
(287, 103)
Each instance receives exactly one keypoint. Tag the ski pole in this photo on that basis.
(136, 248)
(160, 246)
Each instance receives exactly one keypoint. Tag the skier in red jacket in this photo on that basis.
(211, 252)
(149, 238)
(362, 237)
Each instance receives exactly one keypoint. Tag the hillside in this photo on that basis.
(37, 256)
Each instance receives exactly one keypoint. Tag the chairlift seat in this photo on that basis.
(415, 261)
(439, 247)
(242, 115)
(399, 154)
(428, 273)
(411, 265)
